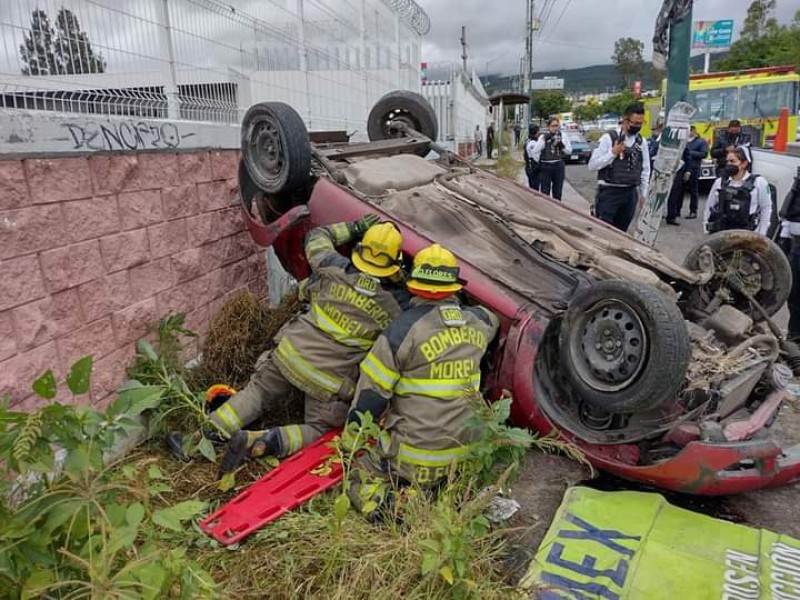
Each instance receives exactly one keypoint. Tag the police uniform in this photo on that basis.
(622, 179)
(532, 166)
(416, 376)
(790, 229)
(319, 351)
(743, 204)
(549, 151)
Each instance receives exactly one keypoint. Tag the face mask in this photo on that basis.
(634, 129)
(731, 170)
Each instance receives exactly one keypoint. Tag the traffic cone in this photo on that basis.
(782, 135)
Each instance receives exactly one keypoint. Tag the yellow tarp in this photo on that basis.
(637, 546)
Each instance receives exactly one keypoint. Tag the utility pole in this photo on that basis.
(676, 128)
(464, 48)
(529, 56)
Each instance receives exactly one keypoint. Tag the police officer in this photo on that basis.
(739, 199)
(318, 353)
(532, 166)
(790, 231)
(622, 162)
(415, 377)
(727, 141)
(688, 176)
(549, 151)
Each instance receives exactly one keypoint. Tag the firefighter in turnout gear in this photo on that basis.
(739, 199)
(351, 303)
(415, 379)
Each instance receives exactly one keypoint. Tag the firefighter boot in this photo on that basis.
(249, 444)
(176, 442)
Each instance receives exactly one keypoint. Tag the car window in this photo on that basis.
(575, 136)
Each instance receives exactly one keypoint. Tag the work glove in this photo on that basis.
(360, 227)
(249, 444)
(217, 395)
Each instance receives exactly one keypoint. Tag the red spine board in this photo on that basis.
(287, 486)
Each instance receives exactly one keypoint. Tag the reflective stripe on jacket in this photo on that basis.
(319, 351)
(420, 369)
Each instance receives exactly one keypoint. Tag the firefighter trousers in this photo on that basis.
(262, 395)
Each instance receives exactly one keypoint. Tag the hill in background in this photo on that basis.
(594, 79)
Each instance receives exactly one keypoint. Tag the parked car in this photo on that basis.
(581, 148)
(660, 373)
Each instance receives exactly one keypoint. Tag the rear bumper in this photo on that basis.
(710, 469)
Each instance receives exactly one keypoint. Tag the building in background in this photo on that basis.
(206, 60)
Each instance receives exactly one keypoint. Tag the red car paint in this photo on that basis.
(699, 468)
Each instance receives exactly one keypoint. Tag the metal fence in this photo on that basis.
(207, 60)
(460, 104)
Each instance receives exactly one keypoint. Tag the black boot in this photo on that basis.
(249, 444)
(175, 441)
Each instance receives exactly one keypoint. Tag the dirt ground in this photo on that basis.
(544, 478)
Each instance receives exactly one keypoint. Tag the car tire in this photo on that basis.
(276, 149)
(761, 263)
(408, 107)
(624, 346)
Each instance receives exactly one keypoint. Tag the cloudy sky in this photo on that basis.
(578, 33)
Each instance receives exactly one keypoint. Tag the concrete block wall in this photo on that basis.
(94, 250)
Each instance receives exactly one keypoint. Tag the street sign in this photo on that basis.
(712, 35)
(548, 83)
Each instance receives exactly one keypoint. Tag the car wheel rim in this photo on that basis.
(266, 149)
(395, 115)
(609, 346)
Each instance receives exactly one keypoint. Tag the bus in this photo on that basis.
(754, 96)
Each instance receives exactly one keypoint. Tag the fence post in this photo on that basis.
(304, 58)
(362, 24)
(168, 50)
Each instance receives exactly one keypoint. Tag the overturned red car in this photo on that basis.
(671, 375)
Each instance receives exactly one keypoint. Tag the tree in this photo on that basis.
(628, 59)
(617, 104)
(37, 50)
(546, 103)
(73, 48)
(764, 43)
(63, 51)
(759, 21)
(587, 112)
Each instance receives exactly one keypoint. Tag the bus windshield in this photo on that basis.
(766, 100)
(715, 105)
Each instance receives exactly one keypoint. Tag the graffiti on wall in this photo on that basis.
(126, 135)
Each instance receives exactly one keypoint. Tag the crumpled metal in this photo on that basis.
(671, 12)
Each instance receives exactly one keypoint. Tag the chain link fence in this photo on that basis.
(205, 60)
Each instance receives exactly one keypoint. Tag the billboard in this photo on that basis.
(712, 35)
(548, 83)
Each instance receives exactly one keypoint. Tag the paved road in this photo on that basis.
(673, 241)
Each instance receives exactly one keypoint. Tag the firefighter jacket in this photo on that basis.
(319, 351)
(420, 369)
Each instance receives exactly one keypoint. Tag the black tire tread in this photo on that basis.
(296, 147)
(412, 102)
(668, 355)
